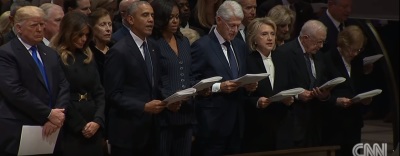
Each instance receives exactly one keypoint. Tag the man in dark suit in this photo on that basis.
(304, 12)
(132, 84)
(306, 70)
(220, 115)
(33, 89)
(124, 30)
(249, 11)
(334, 19)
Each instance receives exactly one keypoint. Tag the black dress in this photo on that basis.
(83, 79)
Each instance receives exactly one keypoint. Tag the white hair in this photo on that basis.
(230, 9)
(311, 27)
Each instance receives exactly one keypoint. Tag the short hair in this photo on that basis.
(282, 15)
(124, 5)
(46, 7)
(253, 28)
(311, 27)
(351, 35)
(27, 12)
(71, 25)
(96, 15)
(162, 13)
(191, 34)
(135, 5)
(229, 9)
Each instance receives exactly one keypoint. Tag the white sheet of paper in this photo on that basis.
(32, 142)
(180, 95)
(365, 95)
(333, 82)
(286, 93)
(251, 78)
(372, 59)
(205, 83)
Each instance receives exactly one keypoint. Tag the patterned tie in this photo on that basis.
(147, 59)
(232, 60)
(309, 70)
(41, 69)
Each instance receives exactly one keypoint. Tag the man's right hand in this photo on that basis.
(57, 117)
(229, 86)
(154, 107)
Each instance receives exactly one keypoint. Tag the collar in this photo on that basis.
(137, 40)
(221, 40)
(265, 57)
(335, 22)
(46, 41)
(301, 45)
(241, 27)
(26, 45)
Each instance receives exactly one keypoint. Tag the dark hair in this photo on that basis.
(70, 4)
(71, 25)
(96, 15)
(162, 14)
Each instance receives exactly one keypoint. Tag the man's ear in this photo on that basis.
(130, 19)
(17, 28)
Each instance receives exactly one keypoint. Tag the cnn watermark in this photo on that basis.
(365, 149)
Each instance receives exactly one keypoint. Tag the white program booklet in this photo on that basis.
(286, 93)
(365, 95)
(372, 59)
(205, 83)
(33, 143)
(333, 82)
(251, 78)
(180, 95)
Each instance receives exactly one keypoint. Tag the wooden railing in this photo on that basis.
(311, 151)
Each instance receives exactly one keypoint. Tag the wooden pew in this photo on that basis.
(311, 151)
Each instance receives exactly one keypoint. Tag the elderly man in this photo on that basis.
(220, 115)
(249, 8)
(306, 69)
(33, 89)
(124, 30)
(53, 16)
(77, 5)
(131, 81)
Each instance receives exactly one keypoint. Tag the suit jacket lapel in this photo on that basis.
(20, 49)
(260, 65)
(342, 68)
(302, 66)
(220, 54)
(137, 55)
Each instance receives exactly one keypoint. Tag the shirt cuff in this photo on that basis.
(216, 87)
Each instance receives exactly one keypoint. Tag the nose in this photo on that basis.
(286, 28)
(89, 11)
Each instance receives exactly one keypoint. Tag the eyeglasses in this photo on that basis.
(354, 51)
(231, 27)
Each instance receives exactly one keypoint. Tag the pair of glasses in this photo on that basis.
(231, 27)
(315, 42)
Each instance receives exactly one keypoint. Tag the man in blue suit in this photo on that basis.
(33, 88)
(220, 115)
(131, 82)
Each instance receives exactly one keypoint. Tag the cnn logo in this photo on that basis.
(367, 150)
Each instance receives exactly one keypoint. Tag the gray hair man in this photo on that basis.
(123, 11)
(220, 117)
(249, 8)
(53, 16)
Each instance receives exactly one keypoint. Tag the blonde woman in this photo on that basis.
(85, 115)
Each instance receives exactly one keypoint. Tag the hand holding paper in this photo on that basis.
(332, 83)
(285, 94)
(250, 78)
(180, 95)
(365, 95)
(32, 142)
(206, 83)
(372, 59)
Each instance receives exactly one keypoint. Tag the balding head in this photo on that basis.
(312, 36)
(29, 24)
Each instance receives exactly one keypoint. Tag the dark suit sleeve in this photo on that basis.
(198, 62)
(114, 77)
(13, 91)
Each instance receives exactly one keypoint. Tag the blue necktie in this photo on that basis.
(232, 60)
(310, 75)
(42, 69)
(147, 59)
